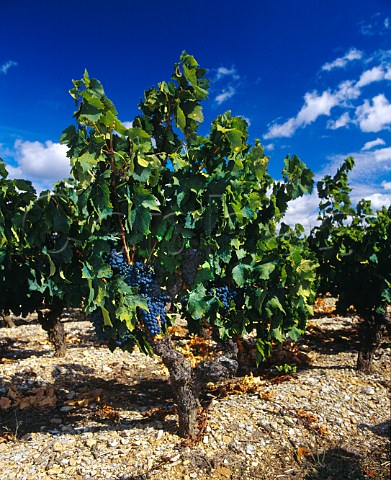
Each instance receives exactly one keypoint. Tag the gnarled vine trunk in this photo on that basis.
(371, 333)
(187, 383)
(51, 322)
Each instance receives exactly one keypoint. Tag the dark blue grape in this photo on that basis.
(97, 320)
(156, 317)
(226, 294)
(191, 261)
(141, 277)
(116, 261)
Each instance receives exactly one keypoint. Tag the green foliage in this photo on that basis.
(38, 268)
(286, 369)
(154, 190)
(352, 246)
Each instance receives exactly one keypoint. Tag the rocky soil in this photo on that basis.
(100, 415)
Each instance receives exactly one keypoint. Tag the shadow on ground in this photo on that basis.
(336, 464)
(103, 401)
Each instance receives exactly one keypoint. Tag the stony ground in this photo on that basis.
(100, 415)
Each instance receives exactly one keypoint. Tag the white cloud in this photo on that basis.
(225, 95)
(303, 210)
(286, 129)
(127, 124)
(347, 90)
(375, 116)
(371, 118)
(223, 72)
(247, 120)
(366, 180)
(14, 172)
(6, 66)
(373, 143)
(370, 168)
(342, 121)
(386, 186)
(341, 62)
(269, 146)
(374, 75)
(314, 106)
(229, 82)
(42, 163)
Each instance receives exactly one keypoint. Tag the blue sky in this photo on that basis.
(313, 78)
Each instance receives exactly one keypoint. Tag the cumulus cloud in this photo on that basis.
(386, 186)
(342, 121)
(269, 146)
(375, 74)
(228, 81)
(225, 95)
(373, 143)
(370, 117)
(375, 115)
(341, 62)
(371, 166)
(366, 180)
(224, 72)
(303, 210)
(6, 66)
(42, 163)
(315, 105)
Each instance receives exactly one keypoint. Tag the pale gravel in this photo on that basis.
(248, 436)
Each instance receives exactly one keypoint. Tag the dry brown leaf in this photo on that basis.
(108, 412)
(4, 403)
(302, 452)
(306, 417)
(322, 430)
(13, 393)
(281, 378)
(48, 401)
(27, 402)
(86, 399)
(6, 437)
(267, 396)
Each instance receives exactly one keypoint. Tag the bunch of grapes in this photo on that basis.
(156, 316)
(192, 259)
(116, 261)
(226, 295)
(122, 338)
(97, 320)
(143, 278)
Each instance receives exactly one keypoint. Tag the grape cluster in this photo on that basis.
(192, 259)
(226, 295)
(155, 316)
(122, 338)
(116, 261)
(143, 278)
(97, 320)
